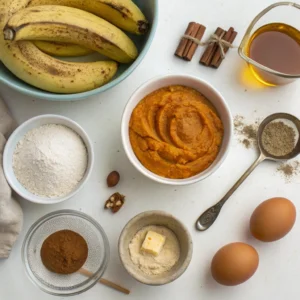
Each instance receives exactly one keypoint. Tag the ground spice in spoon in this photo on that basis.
(64, 252)
(278, 139)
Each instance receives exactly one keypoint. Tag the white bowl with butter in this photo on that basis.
(158, 237)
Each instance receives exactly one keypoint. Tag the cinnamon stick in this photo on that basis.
(192, 46)
(190, 42)
(218, 53)
(183, 42)
(228, 37)
(211, 49)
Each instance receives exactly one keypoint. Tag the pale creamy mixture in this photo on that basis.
(150, 264)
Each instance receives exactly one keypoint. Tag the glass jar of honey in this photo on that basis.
(271, 45)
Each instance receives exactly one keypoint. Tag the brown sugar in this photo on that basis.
(64, 252)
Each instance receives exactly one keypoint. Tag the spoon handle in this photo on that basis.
(105, 282)
(211, 214)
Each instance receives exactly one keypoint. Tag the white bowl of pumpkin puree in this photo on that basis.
(177, 129)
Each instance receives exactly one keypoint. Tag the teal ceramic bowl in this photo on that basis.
(149, 8)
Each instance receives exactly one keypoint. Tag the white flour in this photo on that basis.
(150, 264)
(50, 160)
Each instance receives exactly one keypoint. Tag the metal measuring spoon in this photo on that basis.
(211, 214)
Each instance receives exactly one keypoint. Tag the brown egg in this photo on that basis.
(234, 264)
(273, 219)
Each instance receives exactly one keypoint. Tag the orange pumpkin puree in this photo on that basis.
(175, 132)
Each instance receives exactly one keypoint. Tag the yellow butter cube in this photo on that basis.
(153, 243)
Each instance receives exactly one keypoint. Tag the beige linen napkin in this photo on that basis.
(11, 215)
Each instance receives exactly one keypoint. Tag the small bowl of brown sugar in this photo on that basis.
(59, 246)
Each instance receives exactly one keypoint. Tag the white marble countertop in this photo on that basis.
(278, 274)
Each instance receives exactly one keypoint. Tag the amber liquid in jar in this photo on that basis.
(276, 46)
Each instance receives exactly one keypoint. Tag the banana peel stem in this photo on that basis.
(9, 34)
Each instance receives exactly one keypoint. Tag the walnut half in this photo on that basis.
(115, 202)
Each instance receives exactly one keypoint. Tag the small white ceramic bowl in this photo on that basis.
(209, 92)
(159, 218)
(17, 135)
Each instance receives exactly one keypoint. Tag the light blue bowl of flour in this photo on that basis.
(149, 8)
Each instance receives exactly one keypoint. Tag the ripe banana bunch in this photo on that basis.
(122, 13)
(31, 65)
(71, 25)
(67, 28)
